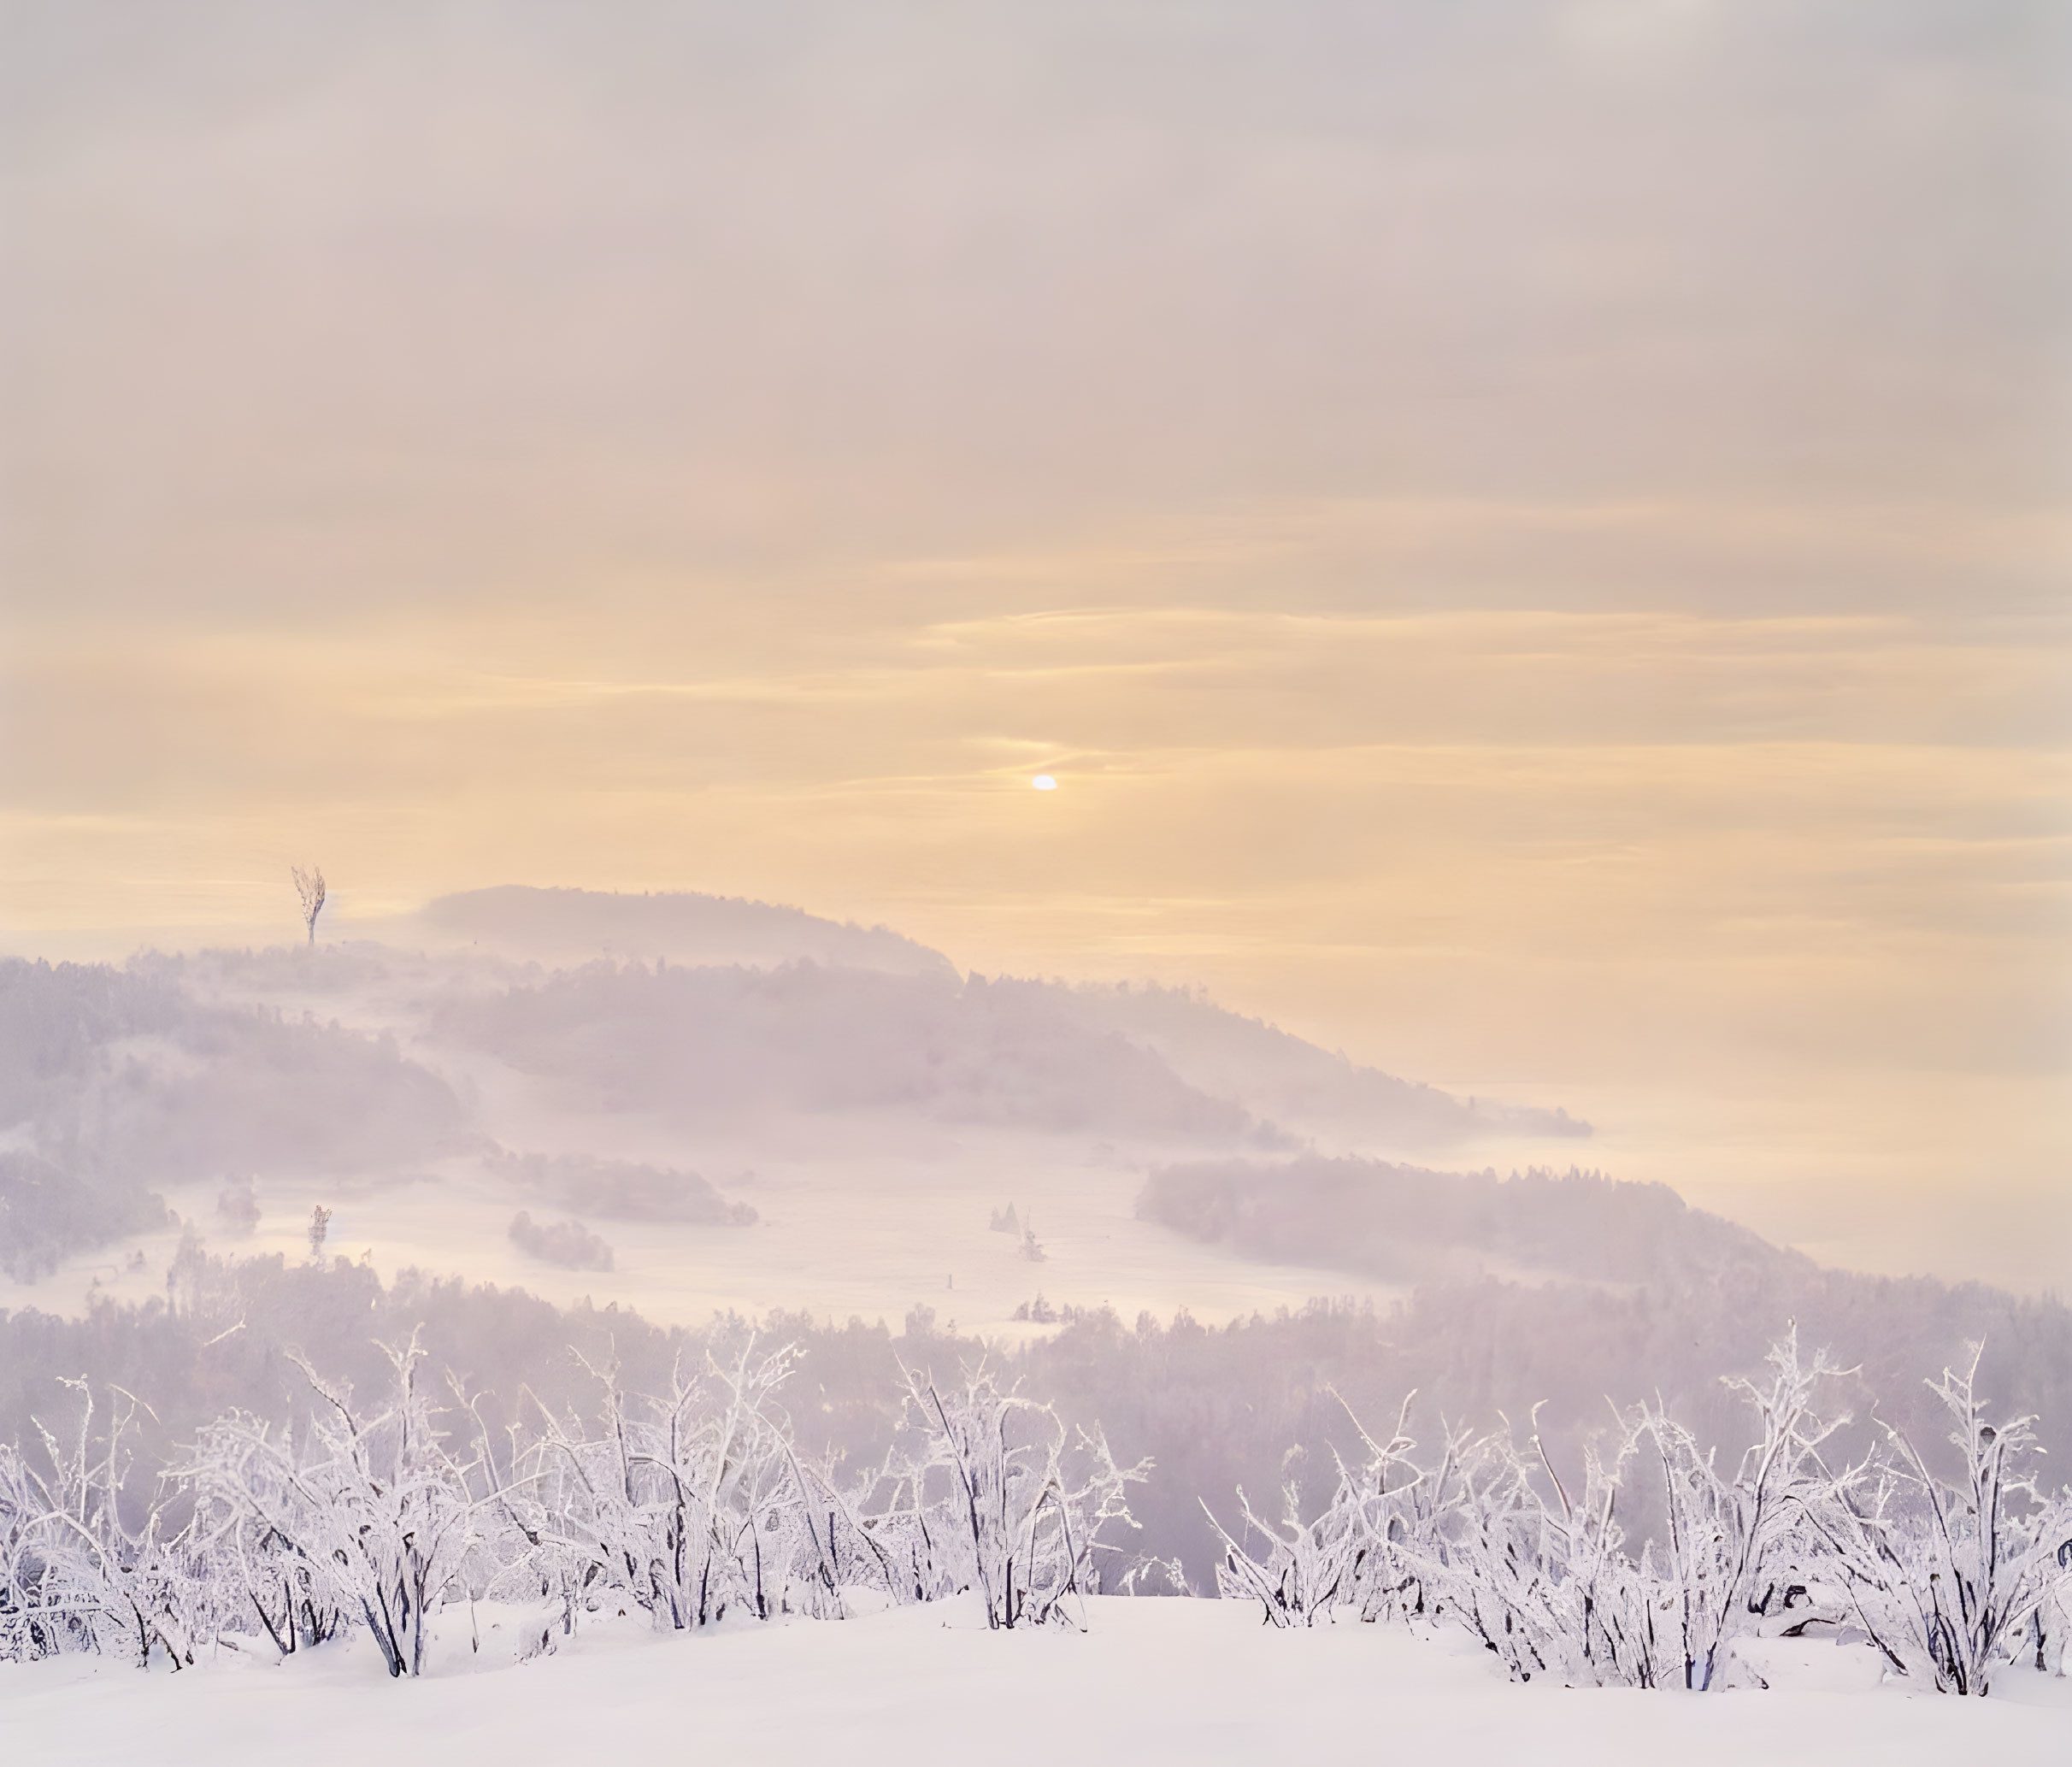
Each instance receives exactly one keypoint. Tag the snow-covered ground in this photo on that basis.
(1149, 1681)
(869, 1234)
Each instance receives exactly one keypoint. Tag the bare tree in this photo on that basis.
(309, 886)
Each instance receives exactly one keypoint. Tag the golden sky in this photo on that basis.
(1532, 539)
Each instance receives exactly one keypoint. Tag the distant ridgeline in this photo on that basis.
(679, 925)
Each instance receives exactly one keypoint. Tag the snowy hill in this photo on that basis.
(717, 1063)
(1330, 1099)
(561, 926)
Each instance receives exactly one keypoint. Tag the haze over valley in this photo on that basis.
(669, 1070)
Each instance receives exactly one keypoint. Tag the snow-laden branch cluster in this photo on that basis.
(996, 1502)
(74, 1571)
(1949, 1580)
(685, 1507)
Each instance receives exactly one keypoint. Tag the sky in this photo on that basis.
(1533, 539)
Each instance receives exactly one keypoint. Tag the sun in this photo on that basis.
(1044, 782)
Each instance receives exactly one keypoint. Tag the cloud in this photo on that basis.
(391, 306)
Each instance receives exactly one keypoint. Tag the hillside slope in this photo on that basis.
(562, 926)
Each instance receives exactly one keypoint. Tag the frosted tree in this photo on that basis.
(75, 1571)
(372, 1515)
(694, 1505)
(1946, 1578)
(1350, 1553)
(685, 1507)
(309, 887)
(1543, 1577)
(1492, 1537)
(990, 1495)
(1724, 1534)
(2053, 1624)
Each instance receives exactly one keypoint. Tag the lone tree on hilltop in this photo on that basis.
(309, 886)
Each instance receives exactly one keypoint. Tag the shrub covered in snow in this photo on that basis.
(1949, 1580)
(685, 1495)
(687, 1507)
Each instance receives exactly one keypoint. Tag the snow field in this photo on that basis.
(1149, 1682)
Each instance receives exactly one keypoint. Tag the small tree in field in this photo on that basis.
(309, 886)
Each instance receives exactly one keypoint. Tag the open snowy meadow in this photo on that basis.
(1146, 1682)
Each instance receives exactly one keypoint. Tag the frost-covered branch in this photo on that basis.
(1949, 1581)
